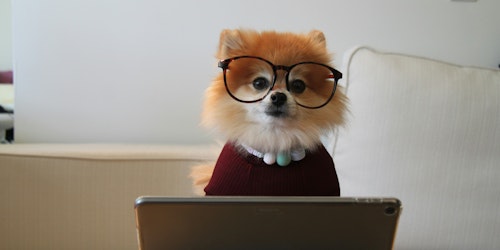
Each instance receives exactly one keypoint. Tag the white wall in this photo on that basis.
(5, 36)
(135, 70)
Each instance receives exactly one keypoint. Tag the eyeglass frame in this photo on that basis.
(224, 65)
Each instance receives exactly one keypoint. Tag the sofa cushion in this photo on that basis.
(427, 132)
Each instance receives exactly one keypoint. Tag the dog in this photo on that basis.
(275, 97)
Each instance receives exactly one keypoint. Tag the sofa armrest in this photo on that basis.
(81, 196)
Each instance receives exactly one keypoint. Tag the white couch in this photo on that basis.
(63, 196)
(424, 131)
(428, 133)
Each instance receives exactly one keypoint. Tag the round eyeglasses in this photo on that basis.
(250, 79)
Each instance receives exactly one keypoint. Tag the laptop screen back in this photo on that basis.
(266, 222)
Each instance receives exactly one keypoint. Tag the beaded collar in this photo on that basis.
(281, 158)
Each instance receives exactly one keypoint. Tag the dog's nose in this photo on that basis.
(278, 99)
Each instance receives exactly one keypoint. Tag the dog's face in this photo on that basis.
(276, 90)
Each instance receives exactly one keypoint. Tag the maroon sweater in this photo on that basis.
(240, 173)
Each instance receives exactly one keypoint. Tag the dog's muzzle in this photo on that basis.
(278, 107)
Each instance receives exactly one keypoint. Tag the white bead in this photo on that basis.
(298, 154)
(269, 158)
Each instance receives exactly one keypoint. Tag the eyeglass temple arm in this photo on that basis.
(336, 74)
(224, 64)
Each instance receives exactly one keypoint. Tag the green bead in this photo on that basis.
(283, 159)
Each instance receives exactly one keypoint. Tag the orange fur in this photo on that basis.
(244, 123)
(201, 176)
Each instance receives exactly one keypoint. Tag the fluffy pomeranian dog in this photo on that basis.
(275, 97)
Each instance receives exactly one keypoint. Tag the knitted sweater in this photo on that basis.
(239, 173)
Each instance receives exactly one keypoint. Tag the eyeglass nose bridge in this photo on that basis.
(282, 67)
(285, 76)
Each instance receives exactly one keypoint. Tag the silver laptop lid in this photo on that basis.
(266, 222)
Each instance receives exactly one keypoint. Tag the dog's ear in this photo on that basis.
(230, 42)
(318, 37)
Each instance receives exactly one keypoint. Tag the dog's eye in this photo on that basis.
(297, 86)
(260, 83)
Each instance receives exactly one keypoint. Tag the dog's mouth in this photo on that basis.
(278, 112)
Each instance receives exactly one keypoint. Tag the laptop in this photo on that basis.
(266, 222)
